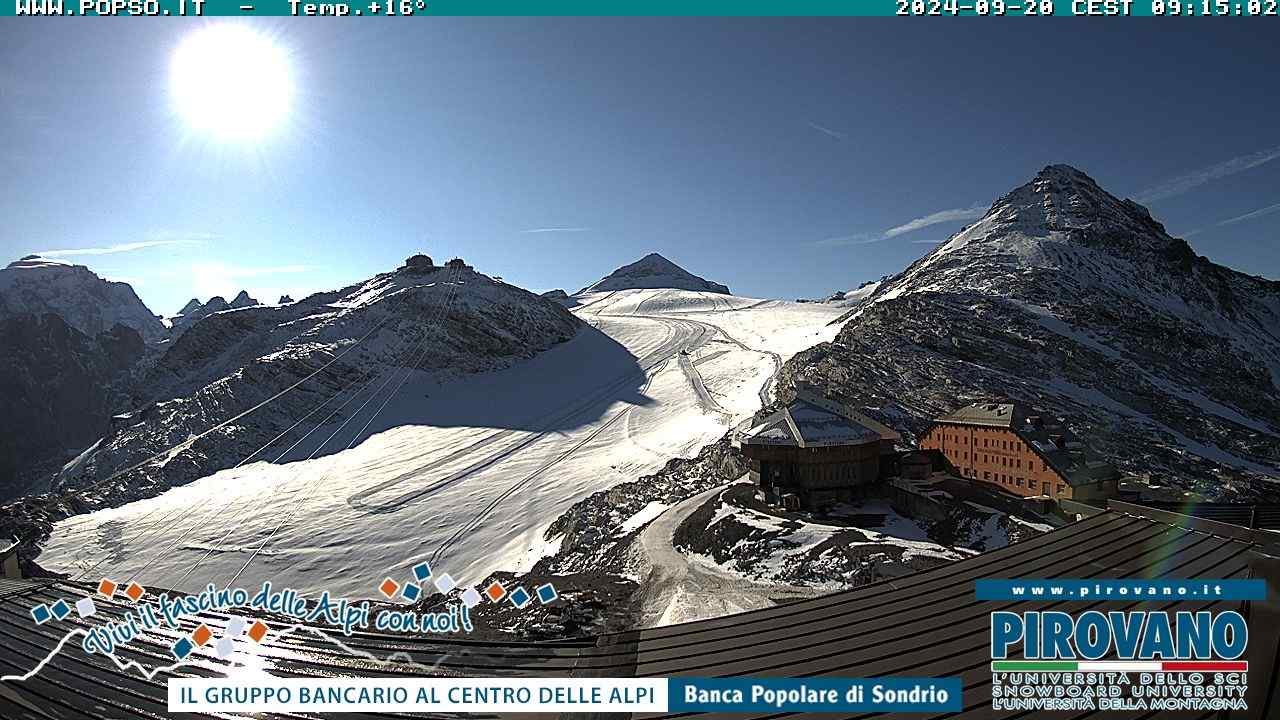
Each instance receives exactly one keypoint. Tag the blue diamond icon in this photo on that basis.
(520, 597)
(411, 592)
(60, 609)
(182, 649)
(546, 593)
(421, 571)
(40, 614)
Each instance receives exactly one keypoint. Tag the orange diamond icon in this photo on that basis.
(202, 635)
(135, 591)
(389, 588)
(106, 588)
(495, 591)
(257, 631)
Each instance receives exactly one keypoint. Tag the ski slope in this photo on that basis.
(467, 473)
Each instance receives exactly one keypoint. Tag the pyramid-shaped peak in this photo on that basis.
(651, 272)
(242, 300)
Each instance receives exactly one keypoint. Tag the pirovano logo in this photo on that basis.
(1122, 659)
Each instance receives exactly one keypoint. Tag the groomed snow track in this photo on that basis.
(926, 624)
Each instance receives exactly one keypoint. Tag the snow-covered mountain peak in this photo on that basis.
(85, 301)
(1061, 239)
(1061, 198)
(654, 271)
(35, 261)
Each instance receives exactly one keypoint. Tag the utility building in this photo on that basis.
(1020, 451)
(817, 450)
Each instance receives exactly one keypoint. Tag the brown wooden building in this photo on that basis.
(1020, 451)
(819, 450)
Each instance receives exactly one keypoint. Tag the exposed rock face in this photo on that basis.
(556, 295)
(56, 393)
(1081, 304)
(284, 300)
(654, 271)
(35, 285)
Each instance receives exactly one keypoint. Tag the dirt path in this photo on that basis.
(680, 590)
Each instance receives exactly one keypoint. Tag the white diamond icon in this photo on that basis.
(470, 597)
(444, 583)
(235, 627)
(86, 607)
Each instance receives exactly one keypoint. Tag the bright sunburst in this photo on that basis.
(231, 82)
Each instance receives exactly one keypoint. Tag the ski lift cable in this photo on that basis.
(373, 377)
(298, 506)
(378, 326)
(190, 440)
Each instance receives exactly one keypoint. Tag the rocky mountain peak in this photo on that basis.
(242, 299)
(1063, 199)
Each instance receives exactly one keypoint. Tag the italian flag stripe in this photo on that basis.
(1118, 666)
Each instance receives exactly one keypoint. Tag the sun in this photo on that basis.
(231, 82)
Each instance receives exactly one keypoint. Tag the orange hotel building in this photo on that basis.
(1021, 452)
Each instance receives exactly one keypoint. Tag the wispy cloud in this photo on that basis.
(556, 230)
(927, 242)
(942, 216)
(1194, 179)
(855, 239)
(936, 218)
(114, 249)
(1261, 212)
(828, 131)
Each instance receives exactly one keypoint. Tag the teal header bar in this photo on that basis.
(919, 10)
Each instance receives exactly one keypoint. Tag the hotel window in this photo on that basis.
(1061, 487)
(1031, 483)
(1019, 462)
(986, 474)
(1019, 482)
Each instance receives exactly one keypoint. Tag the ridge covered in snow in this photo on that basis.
(84, 300)
(651, 272)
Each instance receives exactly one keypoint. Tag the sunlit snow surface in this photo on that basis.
(473, 494)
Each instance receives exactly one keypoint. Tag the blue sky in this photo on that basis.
(785, 158)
